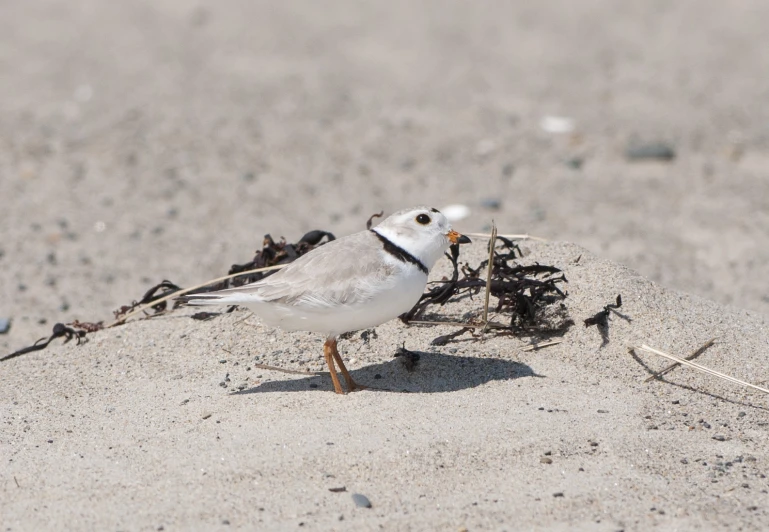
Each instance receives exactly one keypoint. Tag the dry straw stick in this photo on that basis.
(537, 347)
(511, 237)
(671, 367)
(702, 368)
(188, 290)
(492, 243)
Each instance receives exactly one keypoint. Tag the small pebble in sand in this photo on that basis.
(361, 501)
(556, 124)
(491, 203)
(718, 437)
(659, 151)
(5, 325)
(545, 460)
(558, 494)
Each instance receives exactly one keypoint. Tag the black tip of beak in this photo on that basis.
(464, 240)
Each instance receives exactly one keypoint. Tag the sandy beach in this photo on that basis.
(151, 141)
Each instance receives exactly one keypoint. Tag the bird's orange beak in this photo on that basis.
(456, 238)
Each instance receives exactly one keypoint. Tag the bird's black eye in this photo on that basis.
(423, 219)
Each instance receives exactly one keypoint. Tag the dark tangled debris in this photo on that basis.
(59, 331)
(529, 294)
(158, 291)
(446, 338)
(601, 319)
(410, 359)
(272, 254)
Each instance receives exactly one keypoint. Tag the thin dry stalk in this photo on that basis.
(694, 355)
(537, 347)
(283, 370)
(702, 368)
(488, 272)
(510, 237)
(490, 324)
(141, 309)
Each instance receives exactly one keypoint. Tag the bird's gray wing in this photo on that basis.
(347, 271)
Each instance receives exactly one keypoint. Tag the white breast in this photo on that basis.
(382, 307)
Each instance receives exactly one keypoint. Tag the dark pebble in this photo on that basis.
(223, 384)
(593, 444)
(223, 361)
(575, 163)
(676, 402)
(491, 203)
(659, 151)
(545, 460)
(741, 414)
(558, 494)
(225, 521)
(377, 376)
(5, 325)
(50, 441)
(603, 411)
(361, 501)
(337, 490)
(718, 437)
(313, 386)
(684, 461)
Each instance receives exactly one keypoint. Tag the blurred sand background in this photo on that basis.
(148, 140)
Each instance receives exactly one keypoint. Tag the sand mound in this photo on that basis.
(172, 422)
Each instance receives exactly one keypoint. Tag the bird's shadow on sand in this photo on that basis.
(433, 373)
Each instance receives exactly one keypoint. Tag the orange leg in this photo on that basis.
(351, 384)
(329, 355)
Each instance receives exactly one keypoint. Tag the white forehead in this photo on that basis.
(406, 215)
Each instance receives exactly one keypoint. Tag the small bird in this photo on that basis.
(355, 282)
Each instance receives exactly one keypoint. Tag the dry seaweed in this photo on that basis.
(601, 319)
(528, 294)
(410, 359)
(158, 291)
(59, 331)
(156, 297)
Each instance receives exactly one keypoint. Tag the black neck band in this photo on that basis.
(400, 253)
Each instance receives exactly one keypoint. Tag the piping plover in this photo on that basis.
(355, 282)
